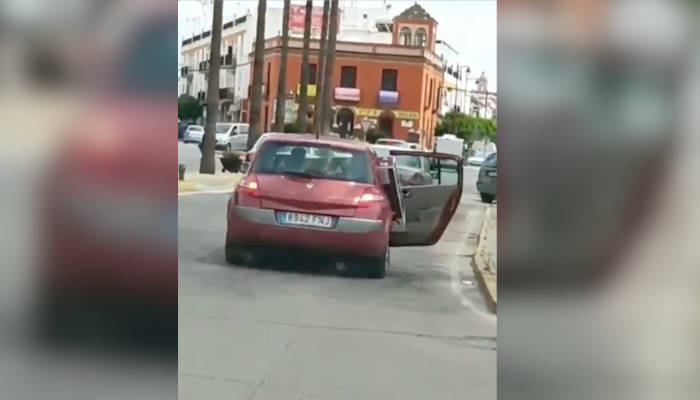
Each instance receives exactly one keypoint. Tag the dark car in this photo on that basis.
(181, 128)
(486, 184)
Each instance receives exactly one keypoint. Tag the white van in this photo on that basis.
(450, 144)
(232, 136)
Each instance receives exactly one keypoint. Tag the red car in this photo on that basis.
(336, 196)
(109, 220)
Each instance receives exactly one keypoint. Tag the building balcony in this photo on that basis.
(387, 97)
(347, 94)
(226, 93)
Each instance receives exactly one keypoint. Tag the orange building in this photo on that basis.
(392, 87)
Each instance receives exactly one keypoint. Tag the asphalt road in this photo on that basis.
(300, 332)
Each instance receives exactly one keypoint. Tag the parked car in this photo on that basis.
(181, 128)
(475, 160)
(232, 136)
(413, 170)
(331, 196)
(193, 134)
(488, 174)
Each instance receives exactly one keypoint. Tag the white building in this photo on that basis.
(455, 79)
(356, 23)
(483, 103)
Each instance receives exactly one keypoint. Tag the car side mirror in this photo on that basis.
(244, 167)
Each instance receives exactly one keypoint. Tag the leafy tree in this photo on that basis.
(466, 127)
(188, 108)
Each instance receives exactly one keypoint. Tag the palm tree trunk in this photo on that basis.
(282, 81)
(327, 113)
(207, 164)
(321, 83)
(303, 95)
(255, 127)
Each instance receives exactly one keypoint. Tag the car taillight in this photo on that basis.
(249, 186)
(369, 198)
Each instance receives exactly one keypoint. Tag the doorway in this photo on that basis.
(386, 123)
(346, 121)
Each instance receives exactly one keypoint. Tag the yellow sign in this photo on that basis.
(375, 113)
(368, 112)
(310, 90)
(406, 114)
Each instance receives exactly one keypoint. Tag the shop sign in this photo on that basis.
(347, 94)
(375, 113)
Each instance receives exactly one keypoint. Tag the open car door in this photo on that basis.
(431, 188)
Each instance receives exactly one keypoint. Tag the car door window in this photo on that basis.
(430, 198)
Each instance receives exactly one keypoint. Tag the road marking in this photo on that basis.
(221, 191)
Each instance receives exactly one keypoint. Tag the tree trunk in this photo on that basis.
(282, 81)
(207, 164)
(320, 81)
(328, 73)
(303, 95)
(255, 127)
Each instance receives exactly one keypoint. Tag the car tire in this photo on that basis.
(235, 255)
(377, 266)
(487, 198)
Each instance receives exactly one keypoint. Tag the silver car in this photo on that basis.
(413, 171)
(193, 134)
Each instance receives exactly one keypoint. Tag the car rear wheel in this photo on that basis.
(235, 255)
(377, 266)
(487, 198)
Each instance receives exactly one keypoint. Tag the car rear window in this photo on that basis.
(317, 161)
(491, 160)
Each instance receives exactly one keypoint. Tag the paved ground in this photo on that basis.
(189, 154)
(422, 332)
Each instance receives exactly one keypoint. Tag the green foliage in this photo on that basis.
(373, 135)
(467, 127)
(188, 108)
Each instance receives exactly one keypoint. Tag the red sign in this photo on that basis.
(297, 13)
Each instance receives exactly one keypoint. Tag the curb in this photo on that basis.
(486, 279)
(204, 183)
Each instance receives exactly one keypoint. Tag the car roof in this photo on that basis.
(307, 138)
(390, 147)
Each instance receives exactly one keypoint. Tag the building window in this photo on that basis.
(420, 37)
(312, 74)
(389, 79)
(405, 36)
(348, 77)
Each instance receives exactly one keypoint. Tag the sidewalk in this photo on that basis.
(195, 182)
(486, 259)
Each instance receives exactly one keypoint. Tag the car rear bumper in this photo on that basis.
(356, 236)
(487, 187)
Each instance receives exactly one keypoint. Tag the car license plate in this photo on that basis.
(316, 221)
(492, 173)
